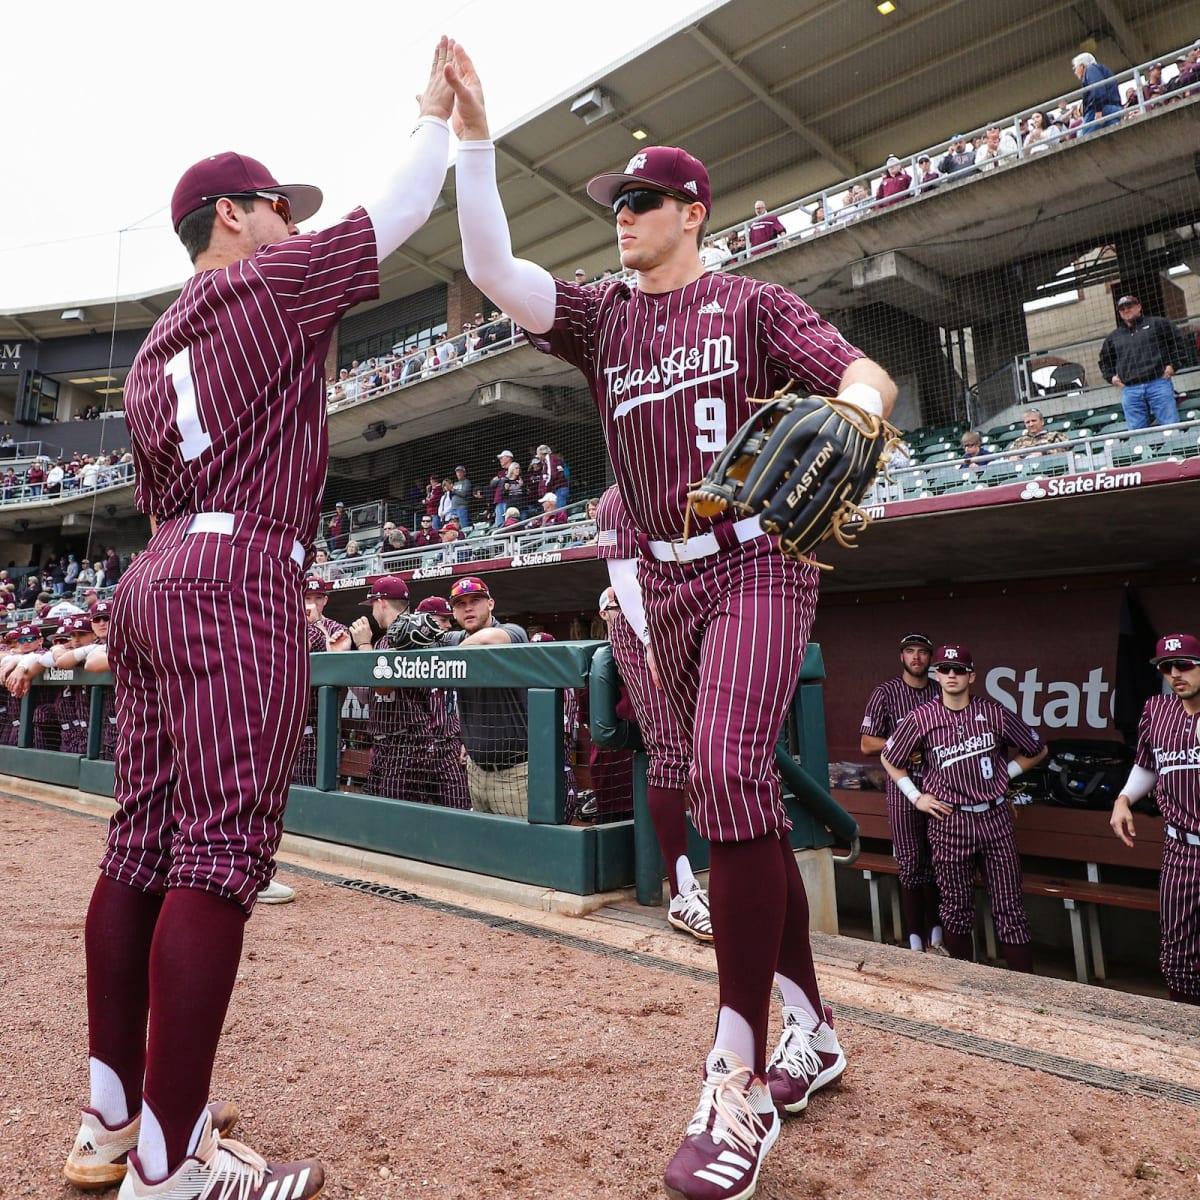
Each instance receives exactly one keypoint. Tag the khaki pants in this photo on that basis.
(505, 791)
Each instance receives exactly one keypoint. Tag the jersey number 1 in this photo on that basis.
(194, 439)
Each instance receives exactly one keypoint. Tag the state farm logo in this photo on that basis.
(1074, 485)
(1033, 490)
(383, 669)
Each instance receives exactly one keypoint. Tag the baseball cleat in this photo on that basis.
(729, 1135)
(98, 1157)
(690, 913)
(276, 893)
(808, 1058)
(221, 1167)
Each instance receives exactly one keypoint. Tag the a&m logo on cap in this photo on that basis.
(470, 586)
(636, 163)
(1173, 643)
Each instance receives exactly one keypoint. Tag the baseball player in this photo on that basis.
(324, 634)
(495, 721)
(73, 707)
(225, 403)
(27, 644)
(406, 723)
(887, 706)
(667, 751)
(97, 661)
(1168, 760)
(672, 364)
(964, 744)
(445, 758)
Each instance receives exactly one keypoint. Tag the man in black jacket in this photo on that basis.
(1140, 356)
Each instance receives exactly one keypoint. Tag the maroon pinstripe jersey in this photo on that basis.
(616, 535)
(965, 752)
(671, 375)
(888, 705)
(225, 401)
(1167, 745)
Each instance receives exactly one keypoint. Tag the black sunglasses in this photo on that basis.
(1177, 664)
(639, 200)
(947, 670)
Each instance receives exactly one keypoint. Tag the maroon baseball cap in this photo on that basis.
(232, 174)
(438, 605)
(667, 168)
(1176, 646)
(28, 631)
(542, 637)
(470, 585)
(101, 608)
(953, 656)
(315, 585)
(916, 639)
(386, 587)
(1127, 300)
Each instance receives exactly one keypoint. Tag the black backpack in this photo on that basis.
(1088, 773)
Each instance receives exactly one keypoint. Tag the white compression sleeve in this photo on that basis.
(622, 574)
(525, 291)
(1139, 783)
(409, 196)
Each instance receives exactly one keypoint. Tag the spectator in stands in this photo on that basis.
(959, 161)
(353, 549)
(320, 561)
(998, 147)
(496, 487)
(817, 216)
(471, 350)
(433, 496)
(27, 596)
(425, 535)
(35, 477)
(514, 487)
(337, 528)
(89, 474)
(460, 493)
(765, 229)
(736, 243)
(512, 516)
(714, 254)
(898, 457)
(71, 575)
(580, 276)
(10, 483)
(551, 513)
(54, 479)
(8, 446)
(1189, 71)
(1101, 96)
(112, 567)
(1036, 436)
(894, 184)
(451, 538)
(927, 177)
(414, 360)
(1042, 134)
(495, 332)
(973, 452)
(852, 203)
(1152, 88)
(547, 473)
(1140, 357)
(86, 580)
(445, 509)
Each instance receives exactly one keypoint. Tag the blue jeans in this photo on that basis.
(1109, 114)
(562, 493)
(1144, 401)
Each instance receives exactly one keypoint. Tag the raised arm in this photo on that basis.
(525, 291)
(409, 195)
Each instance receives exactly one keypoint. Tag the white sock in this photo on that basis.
(107, 1094)
(794, 997)
(152, 1147)
(935, 936)
(685, 880)
(914, 942)
(735, 1035)
(197, 1131)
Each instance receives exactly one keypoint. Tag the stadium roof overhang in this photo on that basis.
(779, 98)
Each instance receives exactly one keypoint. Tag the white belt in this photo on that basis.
(987, 804)
(704, 544)
(1182, 835)
(222, 523)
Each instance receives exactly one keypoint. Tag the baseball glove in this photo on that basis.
(802, 464)
(414, 631)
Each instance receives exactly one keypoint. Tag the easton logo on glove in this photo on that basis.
(801, 464)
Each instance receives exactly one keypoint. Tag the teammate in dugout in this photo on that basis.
(1167, 759)
(672, 364)
(887, 706)
(229, 381)
(324, 635)
(963, 743)
(406, 723)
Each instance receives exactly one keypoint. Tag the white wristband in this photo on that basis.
(908, 788)
(864, 396)
(1015, 769)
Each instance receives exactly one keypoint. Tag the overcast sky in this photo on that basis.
(116, 100)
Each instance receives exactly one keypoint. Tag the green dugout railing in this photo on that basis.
(541, 850)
